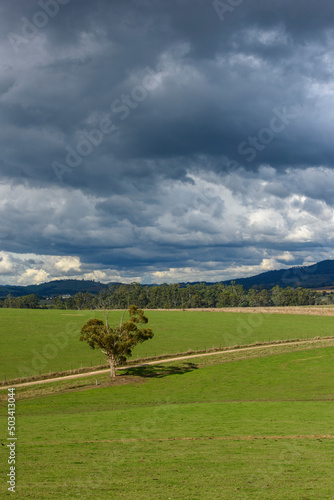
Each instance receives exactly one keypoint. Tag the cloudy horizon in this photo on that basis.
(157, 141)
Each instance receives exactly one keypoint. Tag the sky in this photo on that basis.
(165, 141)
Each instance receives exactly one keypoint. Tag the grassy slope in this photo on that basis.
(164, 438)
(33, 342)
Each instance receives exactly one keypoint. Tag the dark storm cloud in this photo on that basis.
(167, 94)
(219, 82)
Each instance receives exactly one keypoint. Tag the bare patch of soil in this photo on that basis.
(66, 314)
(119, 380)
(305, 310)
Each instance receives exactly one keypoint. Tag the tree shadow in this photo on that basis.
(159, 371)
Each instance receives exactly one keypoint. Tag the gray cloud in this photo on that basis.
(187, 94)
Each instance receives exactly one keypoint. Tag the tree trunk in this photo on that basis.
(112, 365)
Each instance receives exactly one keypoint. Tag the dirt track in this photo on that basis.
(158, 362)
(201, 438)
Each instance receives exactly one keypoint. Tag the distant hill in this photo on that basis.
(53, 288)
(320, 275)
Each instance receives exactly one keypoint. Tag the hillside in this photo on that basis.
(53, 288)
(320, 275)
(314, 276)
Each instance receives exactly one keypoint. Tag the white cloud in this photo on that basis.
(150, 198)
(68, 264)
(33, 276)
(96, 276)
(6, 264)
(110, 276)
(215, 227)
(286, 257)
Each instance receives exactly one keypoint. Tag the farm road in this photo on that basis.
(167, 360)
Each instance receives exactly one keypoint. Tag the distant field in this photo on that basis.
(304, 310)
(40, 341)
(259, 428)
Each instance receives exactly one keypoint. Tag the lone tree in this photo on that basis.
(116, 343)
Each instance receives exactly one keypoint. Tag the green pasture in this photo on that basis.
(255, 428)
(42, 341)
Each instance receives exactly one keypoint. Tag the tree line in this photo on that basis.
(24, 302)
(176, 296)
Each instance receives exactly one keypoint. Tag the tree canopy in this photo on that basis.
(116, 342)
(180, 296)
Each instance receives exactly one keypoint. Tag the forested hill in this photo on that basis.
(53, 288)
(315, 276)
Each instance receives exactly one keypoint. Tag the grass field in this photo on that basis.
(255, 428)
(42, 341)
